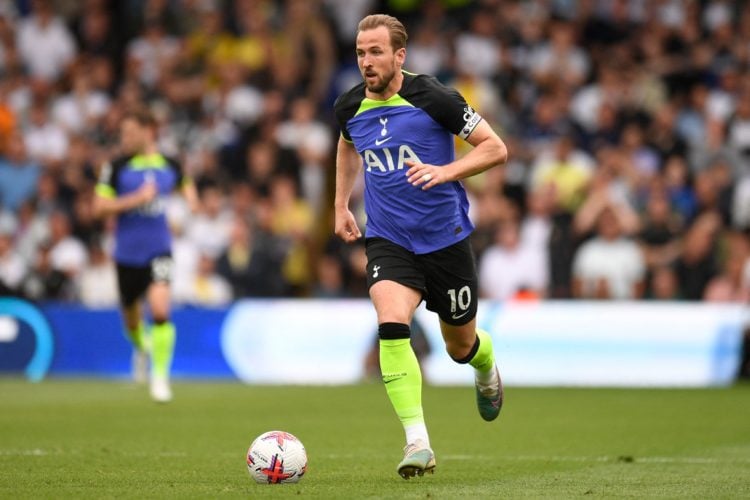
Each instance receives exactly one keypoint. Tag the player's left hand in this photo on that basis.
(425, 175)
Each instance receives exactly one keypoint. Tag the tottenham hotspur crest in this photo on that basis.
(383, 132)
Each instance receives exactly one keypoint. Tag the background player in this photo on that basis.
(402, 127)
(133, 188)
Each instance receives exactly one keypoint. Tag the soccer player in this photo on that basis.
(400, 126)
(133, 188)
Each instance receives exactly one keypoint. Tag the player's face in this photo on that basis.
(377, 60)
(133, 136)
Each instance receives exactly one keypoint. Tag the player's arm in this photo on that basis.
(489, 151)
(348, 166)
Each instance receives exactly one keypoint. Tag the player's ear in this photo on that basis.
(400, 56)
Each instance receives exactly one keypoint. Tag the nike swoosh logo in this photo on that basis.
(460, 315)
(391, 380)
(378, 142)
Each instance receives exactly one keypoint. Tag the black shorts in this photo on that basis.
(447, 277)
(133, 281)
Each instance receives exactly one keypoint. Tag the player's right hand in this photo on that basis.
(148, 191)
(346, 226)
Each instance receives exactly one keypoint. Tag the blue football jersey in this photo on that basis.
(142, 233)
(418, 123)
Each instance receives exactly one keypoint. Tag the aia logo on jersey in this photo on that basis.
(387, 160)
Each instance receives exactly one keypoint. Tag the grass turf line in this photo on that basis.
(99, 439)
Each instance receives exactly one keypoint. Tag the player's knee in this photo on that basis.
(160, 320)
(461, 350)
(393, 331)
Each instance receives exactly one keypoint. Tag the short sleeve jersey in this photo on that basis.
(418, 124)
(142, 233)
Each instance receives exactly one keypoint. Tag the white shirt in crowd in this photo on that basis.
(210, 235)
(12, 268)
(503, 272)
(97, 286)
(46, 142)
(73, 112)
(69, 255)
(619, 262)
(45, 50)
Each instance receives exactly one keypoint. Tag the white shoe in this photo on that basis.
(418, 459)
(160, 390)
(139, 366)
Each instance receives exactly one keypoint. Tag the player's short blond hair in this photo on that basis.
(394, 26)
(142, 116)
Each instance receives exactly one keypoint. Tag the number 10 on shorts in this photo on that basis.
(461, 300)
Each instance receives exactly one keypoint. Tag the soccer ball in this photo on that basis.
(276, 457)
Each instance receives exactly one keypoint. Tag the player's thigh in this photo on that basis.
(394, 302)
(395, 282)
(452, 286)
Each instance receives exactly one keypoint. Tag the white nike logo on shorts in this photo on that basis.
(460, 315)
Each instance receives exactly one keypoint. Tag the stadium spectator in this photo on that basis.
(663, 284)
(208, 230)
(536, 226)
(307, 47)
(428, 52)
(731, 285)
(292, 220)
(97, 283)
(559, 60)
(97, 33)
(79, 110)
(565, 170)
(330, 278)
(609, 265)
(741, 203)
(311, 139)
(208, 288)
(478, 51)
(676, 175)
(152, 54)
(252, 262)
(738, 128)
(659, 236)
(18, 174)
(510, 268)
(44, 282)
(67, 253)
(696, 265)
(12, 266)
(46, 141)
(45, 43)
(652, 96)
(32, 231)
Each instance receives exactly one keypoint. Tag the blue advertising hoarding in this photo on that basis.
(290, 341)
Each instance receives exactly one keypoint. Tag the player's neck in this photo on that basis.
(149, 149)
(392, 89)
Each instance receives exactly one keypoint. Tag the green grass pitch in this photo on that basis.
(105, 439)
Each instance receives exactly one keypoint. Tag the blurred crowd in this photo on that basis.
(628, 124)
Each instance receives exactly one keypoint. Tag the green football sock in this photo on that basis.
(162, 347)
(403, 379)
(137, 337)
(484, 359)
